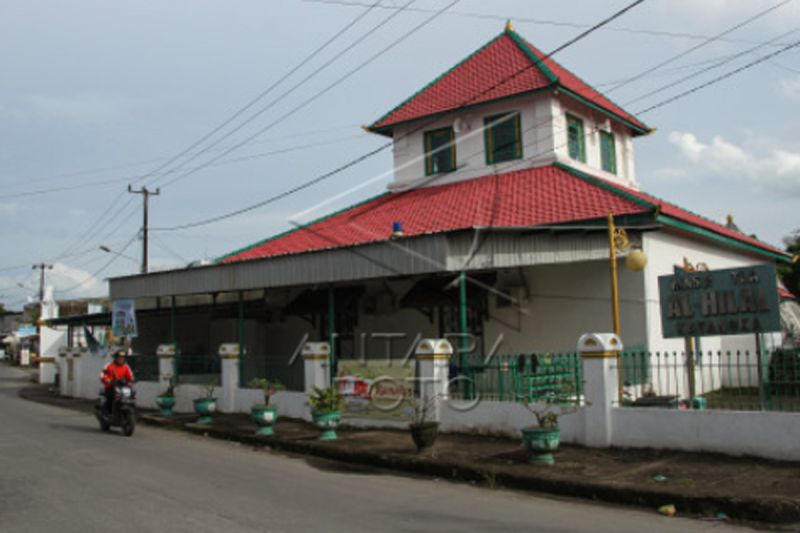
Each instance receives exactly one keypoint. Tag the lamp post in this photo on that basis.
(108, 250)
(635, 261)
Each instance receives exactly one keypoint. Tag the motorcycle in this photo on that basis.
(121, 413)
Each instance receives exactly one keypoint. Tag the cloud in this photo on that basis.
(8, 209)
(76, 212)
(775, 168)
(791, 89)
(64, 277)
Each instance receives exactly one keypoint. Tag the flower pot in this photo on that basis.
(205, 407)
(265, 416)
(540, 443)
(327, 422)
(424, 435)
(165, 403)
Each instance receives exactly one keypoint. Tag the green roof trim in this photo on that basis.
(604, 111)
(537, 61)
(671, 221)
(372, 127)
(304, 226)
(686, 226)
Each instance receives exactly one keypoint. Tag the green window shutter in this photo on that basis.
(608, 152)
(440, 151)
(503, 138)
(575, 139)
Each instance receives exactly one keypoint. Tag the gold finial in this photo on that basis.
(366, 128)
(730, 219)
(509, 25)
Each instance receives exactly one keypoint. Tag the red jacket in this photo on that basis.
(114, 372)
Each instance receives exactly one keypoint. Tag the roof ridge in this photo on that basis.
(531, 49)
(371, 127)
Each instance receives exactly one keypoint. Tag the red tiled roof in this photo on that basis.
(786, 295)
(506, 66)
(531, 197)
(525, 198)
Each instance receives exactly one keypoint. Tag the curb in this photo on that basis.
(768, 510)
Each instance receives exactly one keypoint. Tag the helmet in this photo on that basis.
(120, 353)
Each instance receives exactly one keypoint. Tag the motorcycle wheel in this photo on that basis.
(104, 426)
(128, 426)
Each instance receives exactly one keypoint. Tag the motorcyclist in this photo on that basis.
(116, 370)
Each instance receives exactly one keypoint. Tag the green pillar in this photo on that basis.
(173, 338)
(332, 333)
(462, 315)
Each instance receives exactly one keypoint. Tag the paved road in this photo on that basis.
(58, 472)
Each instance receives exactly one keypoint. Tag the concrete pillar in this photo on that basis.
(433, 367)
(316, 359)
(50, 340)
(166, 364)
(229, 358)
(63, 370)
(600, 358)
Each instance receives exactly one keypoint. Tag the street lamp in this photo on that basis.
(635, 261)
(108, 250)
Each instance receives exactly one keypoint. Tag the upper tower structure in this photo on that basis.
(508, 107)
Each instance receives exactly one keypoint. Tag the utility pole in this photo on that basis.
(146, 194)
(42, 267)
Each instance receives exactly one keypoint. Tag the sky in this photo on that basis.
(97, 95)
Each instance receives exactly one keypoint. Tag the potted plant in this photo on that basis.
(423, 430)
(263, 414)
(543, 439)
(206, 406)
(166, 400)
(326, 410)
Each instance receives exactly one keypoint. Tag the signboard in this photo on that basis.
(376, 389)
(709, 303)
(123, 318)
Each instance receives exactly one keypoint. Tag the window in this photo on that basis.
(608, 152)
(575, 139)
(503, 138)
(440, 151)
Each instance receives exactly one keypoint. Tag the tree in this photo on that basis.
(2, 309)
(790, 274)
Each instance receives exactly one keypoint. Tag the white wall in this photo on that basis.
(564, 302)
(760, 434)
(544, 140)
(501, 418)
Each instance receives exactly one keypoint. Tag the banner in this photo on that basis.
(123, 319)
(376, 389)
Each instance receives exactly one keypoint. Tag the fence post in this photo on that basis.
(317, 365)
(229, 369)
(433, 367)
(600, 354)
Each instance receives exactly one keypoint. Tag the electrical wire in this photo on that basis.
(370, 154)
(706, 42)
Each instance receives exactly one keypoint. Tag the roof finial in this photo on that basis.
(509, 25)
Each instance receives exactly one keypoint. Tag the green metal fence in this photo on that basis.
(520, 377)
(288, 371)
(734, 380)
(204, 369)
(144, 367)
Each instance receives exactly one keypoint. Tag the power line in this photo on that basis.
(700, 45)
(313, 97)
(719, 78)
(368, 155)
(708, 69)
(544, 22)
(101, 269)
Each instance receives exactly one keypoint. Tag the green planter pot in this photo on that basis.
(165, 404)
(541, 443)
(265, 416)
(327, 422)
(205, 407)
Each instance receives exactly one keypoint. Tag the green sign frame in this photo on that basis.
(733, 301)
